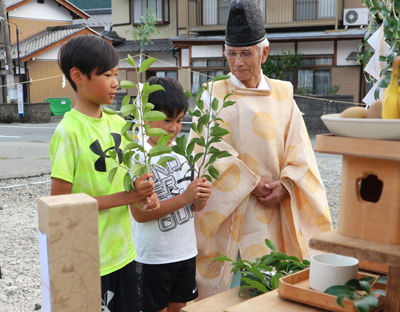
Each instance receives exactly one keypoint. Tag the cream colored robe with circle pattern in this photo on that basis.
(267, 137)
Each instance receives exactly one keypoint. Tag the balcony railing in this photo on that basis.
(215, 12)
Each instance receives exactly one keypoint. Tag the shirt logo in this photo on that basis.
(95, 147)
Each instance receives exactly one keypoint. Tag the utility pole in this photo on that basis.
(7, 51)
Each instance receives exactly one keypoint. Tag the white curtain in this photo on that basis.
(326, 9)
(166, 11)
(322, 81)
(138, 10)
(305, 78)
(210, 12)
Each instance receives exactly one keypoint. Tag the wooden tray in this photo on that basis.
(296, 287)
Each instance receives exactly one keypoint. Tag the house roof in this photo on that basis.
(98, 18)
(77, 13)
(288, 36)
(46, 40)
(156, 45)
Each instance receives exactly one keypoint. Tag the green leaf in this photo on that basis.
(368, 279)
(380, 292)
(382, 84)
(228, 103)
(111, 174)
(280, 255)
(125, 128)
(264, 267)
(193, 127)
(354, 284)
(226, 96)
(361, 305)
(128, 137)
(222, 258)
(127, 109)
(127, 158)
(126, 84)
(257, 285)
(136, 112)
(135, 168)
(131, 145)
(156, 132)
(181, 142)
(126, 99)
(195, 113)
(159, 149)
(164, 160)
(146, 64)
(198, 156)
(207, 177)
(153, 88)
(275, 280)
(178, 150)
(200, 105)
(341, 290)
(127, 182)
(382, 280)
(214, 104)
(256, 273)
(220, 77)
(293, 258)
(244, 288)
(270, 244)
(109, 111)
(217, 131)
(306, 262)
(189, 94)
(371, 300)
(365, 286)
(190, 148)
(339, 300)
(154, 116)
(113, 154)
(131, 61)
(213, 172)
(198, 94)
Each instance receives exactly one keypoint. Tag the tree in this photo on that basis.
(280, 66)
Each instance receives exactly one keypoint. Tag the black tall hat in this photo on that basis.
(245, 25)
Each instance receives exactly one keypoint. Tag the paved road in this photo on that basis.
(24, 149)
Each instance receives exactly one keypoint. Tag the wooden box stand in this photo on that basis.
(69, 253)
(369, 210)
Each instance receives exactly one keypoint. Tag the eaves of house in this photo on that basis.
(98, 18)
(47, 40)
(75, 11)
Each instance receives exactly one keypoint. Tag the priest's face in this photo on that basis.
(245, 63)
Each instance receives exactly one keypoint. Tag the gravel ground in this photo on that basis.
(19, 247)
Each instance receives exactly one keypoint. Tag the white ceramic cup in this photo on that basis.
(327, 270)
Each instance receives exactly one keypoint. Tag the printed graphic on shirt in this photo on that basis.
(166, 186)
(95, 147)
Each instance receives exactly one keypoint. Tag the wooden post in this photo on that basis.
(393, 282)
(69, 253)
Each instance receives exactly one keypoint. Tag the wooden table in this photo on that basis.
(228, 301)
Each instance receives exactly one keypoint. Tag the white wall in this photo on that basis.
(185, 57)
(275, 48)
(49, 10)
(316, 47)
(50, 55)
(207, 51)
(344, 48)
(162, 60)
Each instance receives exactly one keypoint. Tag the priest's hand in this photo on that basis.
(261, 189)
(278, 193)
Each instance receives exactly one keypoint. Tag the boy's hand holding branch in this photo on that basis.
(198, 192)
(144, 197)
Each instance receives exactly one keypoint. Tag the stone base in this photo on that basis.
(34, 113)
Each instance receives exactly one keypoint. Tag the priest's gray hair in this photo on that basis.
(263, 44)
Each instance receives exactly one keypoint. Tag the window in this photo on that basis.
(159, 9)
(162, 73)
(314, 76)
(215, 12)
(204, 70)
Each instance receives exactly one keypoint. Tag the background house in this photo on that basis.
(325, 31)
(43, 26)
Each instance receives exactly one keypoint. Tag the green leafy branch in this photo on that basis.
(142, 112)
(281, 66)
(385, 13)
(263, 274)
(359, 291)
(207, 123)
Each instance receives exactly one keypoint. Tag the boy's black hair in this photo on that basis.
(87, 53)
(172, 101)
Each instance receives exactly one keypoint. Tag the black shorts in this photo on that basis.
(159, 284)
(119, 290)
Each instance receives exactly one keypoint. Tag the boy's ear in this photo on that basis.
(76, 76)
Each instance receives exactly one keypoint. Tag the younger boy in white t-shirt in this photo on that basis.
(165, 238)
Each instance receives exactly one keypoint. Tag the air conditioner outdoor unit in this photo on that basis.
(354, 17)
